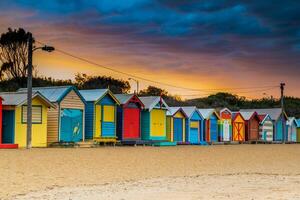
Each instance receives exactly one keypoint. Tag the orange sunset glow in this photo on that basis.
(186, 48)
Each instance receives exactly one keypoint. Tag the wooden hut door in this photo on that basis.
(238, 129)
(132, 123)
(213, 130)
(254, 130)
(178, 129)
(226, 130)
(8, 123)
(71, 126)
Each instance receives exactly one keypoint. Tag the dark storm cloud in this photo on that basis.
(266, 31)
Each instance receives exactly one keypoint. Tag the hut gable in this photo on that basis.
(129, 100)
(298, 123)
(72, 100)
(207, 113)
(104, 96)
(225, 113)
(151, 102)
(192, 112)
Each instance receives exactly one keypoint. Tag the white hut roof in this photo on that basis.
(20, 98)
(123, 98)
(247, 114)
(151, 101)
(54, 93)
(274, 113)
(189, 110)
(93, 94)
(206, 112)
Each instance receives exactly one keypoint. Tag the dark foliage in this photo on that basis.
(14, 53)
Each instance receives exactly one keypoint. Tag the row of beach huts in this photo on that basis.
(65, 115)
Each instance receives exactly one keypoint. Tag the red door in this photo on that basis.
(131, 123)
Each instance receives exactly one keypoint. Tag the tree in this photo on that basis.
(153, 91)
(14, 53)
(83, 81)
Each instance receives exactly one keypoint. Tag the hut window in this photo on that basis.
(36, 114)
(109, 113)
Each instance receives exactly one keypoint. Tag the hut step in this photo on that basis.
(161, 144)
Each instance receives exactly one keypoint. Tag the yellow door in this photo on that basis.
(158, 123)
(98, 120)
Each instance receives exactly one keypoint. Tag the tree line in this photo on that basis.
(13, 60)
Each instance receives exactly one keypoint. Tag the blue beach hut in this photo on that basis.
(101, 115)
(210, 124)
(194, 125)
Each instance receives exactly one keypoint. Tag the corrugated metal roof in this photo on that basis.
(123, 98)
(274, 113)
(206, 112)
(172, 110)
(247, 114)
(93, 94)
(151, 101)
(54, 94)
(189, 110)
(20, 98)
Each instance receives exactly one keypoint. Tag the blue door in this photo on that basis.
(71, 125)
(8, 123)
(194, 135)
(213, 130)
(178, 129)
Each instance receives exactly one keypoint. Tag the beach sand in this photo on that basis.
(182, 172)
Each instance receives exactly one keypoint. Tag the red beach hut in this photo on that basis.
(129, 118)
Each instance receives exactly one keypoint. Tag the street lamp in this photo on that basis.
(137, 84)
(29, 85)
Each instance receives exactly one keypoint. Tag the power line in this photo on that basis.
(253, 91)
(149, 80)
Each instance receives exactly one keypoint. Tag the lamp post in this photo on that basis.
(29, 85)
(137, 84)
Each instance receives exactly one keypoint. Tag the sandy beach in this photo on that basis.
(183, 172)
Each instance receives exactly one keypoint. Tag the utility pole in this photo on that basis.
(282, 111)
(29, 91)
(137, 84)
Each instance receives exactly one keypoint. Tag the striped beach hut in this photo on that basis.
(129, 118)
(298, 130)
(210, 125)
(225, 125)
(101, 115)
(14, 119)
(176, 118)
(265, 128)
(238, 127)
(252, 125)
(153, 123)
(291, 129)
(278, 121)
(194, 125)
(66, 120)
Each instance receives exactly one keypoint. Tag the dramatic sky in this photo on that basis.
(202, 44)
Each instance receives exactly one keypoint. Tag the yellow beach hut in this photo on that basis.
(66, 120)
(15, 118)
(153, 119)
